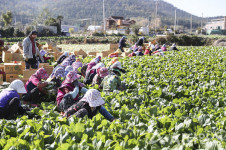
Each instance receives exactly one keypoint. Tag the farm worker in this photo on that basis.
(31, 51)
(164, 47)
(93, 63)
(89, 105)
(157, 47)
(101, 74)
(117, 53)
(122, 43)
(57, 76)
(67, 70)
(112, 82)
(10, 100)
(140, 42)
(139, 52)
(68, 93)
(132, 54)
(96, 60)
(62, 57)
(35, 85)
(173, 47)
(91, 73)
(77, 64)
(147, 51)
(116, 65)
(70, 59)
(62, 65)
(152, 47)
(43, 53)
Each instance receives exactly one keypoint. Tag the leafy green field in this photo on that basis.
(173, 102)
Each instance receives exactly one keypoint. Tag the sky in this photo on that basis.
(209, 8)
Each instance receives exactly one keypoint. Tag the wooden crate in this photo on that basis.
(9, 76)
(7, 56)
(13, 68)
(28, 73)
(1, 79)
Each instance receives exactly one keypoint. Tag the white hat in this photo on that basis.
(117, 64)
(66, 54)
(93, 97)
(99, 65)
(17, 85)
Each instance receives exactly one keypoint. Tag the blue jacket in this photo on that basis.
(6, 96)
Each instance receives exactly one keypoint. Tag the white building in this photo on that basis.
(219, 24)
(92, 28)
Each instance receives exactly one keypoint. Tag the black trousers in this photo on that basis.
(11, 109)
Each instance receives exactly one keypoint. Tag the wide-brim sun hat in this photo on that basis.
(17, 85)
(93, 98)
(103, 72)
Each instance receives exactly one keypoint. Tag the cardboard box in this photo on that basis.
(1, 79)
(12, 68)
(49, 69)
(103, 54)
(92, 53)
(17, 57)
(83, 53)
(20, 62)
(16, 48)
(43, 65)
(2, 68)
(7, 56)
(28, 73)
(56, 49)
(113, 47)
(9, 76)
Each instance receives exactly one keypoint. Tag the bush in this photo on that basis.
(46, 32)
(161, 40)
(27, 30)
(18, 33)
(7, 32)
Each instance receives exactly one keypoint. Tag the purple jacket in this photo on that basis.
(6, 96)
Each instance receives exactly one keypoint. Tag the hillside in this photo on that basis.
(27, 10)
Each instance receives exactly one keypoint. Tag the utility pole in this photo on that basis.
(148, 25)
(202, 22)
(156, 14)
(191, 24)
(175, 22)
(104, 19)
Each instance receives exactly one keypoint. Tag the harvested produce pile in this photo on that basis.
(175, 101)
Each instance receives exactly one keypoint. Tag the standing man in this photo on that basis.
(122, 43)
(31, 51)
